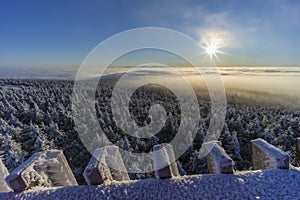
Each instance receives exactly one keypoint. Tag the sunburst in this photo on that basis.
(212, 46)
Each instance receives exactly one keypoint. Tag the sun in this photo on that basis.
(211, 48)
(212, 44)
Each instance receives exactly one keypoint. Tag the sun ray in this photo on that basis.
(212, 46)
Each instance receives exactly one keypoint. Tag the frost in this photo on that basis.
(36, 115)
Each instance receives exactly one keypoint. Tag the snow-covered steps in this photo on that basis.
(105, 166)
(267, 156)
(3, 173)
(165, 165)
(218, 162)
(46, 169)
(298, 152)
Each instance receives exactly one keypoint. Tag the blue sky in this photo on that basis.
(62, 33)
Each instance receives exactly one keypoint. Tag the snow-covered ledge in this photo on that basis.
(3, 173)
(261, 184)
(267, 156)
(105, 165)
(164, 161)
(218, 162)
(45, 169)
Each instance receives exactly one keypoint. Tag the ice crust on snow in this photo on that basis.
(45, 169)
(267, 156)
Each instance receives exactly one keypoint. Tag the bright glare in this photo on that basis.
(211, 48)
(212, 44)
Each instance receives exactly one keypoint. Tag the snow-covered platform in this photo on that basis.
(266, 184)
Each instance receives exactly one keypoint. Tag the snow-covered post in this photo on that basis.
(298, 152)
(46, 169)
(114, 159)
(105, 165)
(267, 156)
(163, 157)
(3, 173)
(170, 152)
(218, 162)
(97, 171)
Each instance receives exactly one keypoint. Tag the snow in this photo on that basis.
(36, 115)
(266, 184)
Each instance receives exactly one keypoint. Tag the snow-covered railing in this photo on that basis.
(218, 162)
(98, 171)
(164, 161)
(267, 156)
(50, 168)
(3, 173)
(47, 169)
(297, 152)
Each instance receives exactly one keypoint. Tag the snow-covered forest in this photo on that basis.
(36, 115)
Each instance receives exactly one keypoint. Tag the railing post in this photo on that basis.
(3, 173)
(165, 165)
(105, 165)
(298, 152)
(218, 162)
(47, 169)
(267, 156)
